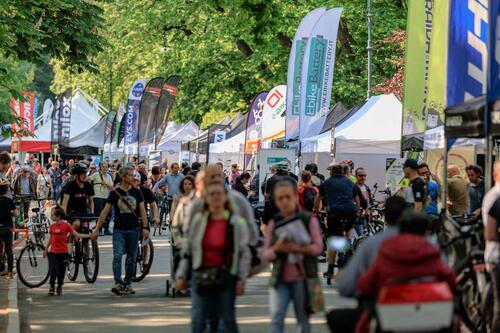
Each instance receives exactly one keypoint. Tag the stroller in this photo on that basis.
(417, 306)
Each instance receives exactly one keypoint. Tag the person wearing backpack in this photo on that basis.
(307, 192)
(293, 242)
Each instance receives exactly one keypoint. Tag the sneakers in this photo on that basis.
(59, 291)
(117, 289)
(127, 290)
(51, 291)
(8, 275)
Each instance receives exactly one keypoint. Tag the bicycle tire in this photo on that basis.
(139, 266)
(29, 255)
(160, 227)
(73, 263)
(91, 275)
(470, 313)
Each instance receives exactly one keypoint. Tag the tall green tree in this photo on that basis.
(226, 51)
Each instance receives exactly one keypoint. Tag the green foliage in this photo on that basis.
(226, 51)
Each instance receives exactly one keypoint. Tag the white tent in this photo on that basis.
(229, 151)
(173, 136)
(368, 137)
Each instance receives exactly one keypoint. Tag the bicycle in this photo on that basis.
(162, 202)
(84, 252)
(373, 226)
(460, 237)
(145, 255)
(32, 267)
(344, 252)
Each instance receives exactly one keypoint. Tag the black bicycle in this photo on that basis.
(162, 202)
(85, 252)
(461, 239)
(145, 255)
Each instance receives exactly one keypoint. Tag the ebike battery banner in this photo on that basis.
(317, 74)
(148, 110)
(165, 105)
(61, 119)
(273, 118)
(418, 48)
(438, 63)
(130, 127)
(295, 62)
(467, 50)
(254, 126)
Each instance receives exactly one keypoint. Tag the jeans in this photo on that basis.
(124, 242)
(99, 204)
(57, 264)
(359, 226)
(56, 192)
(279, 297)
(217, 307)
(6, 239)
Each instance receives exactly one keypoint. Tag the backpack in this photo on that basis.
(309, 196)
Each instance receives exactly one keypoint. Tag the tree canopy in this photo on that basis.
(226, 51)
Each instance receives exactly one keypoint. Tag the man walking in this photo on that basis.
(129, 206)
(475, 189)
(173, 181)
(103, 184)
(24, 187)
(55, 179)
(415, 195)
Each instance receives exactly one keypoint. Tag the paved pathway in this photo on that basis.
(91, 308)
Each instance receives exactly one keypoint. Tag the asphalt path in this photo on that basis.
(92, 307)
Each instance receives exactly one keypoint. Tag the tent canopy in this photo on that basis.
(373, 129)
(176, 134)
(86, 143)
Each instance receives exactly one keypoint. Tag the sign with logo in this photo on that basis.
(295, 72)
(131, 132)
(254, 126)
(61, 119)
(25, 110)
(219, 136)
(273, 124)
(317, 74)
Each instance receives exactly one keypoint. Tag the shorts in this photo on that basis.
(340, 222)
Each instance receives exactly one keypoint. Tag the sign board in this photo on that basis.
(154, 159)
(269, 157)
(394, 174)
(219, 136)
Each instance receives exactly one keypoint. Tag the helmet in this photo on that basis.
(349, 163)
(79, 168)
(312, 167)
(283, 167)
(137, 176)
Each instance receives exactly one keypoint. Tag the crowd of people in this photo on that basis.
(216, 236)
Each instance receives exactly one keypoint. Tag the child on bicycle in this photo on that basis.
(7, 211)
(57, 248)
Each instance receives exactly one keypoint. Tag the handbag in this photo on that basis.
(213, 279)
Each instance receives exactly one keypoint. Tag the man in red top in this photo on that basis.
(307, 192)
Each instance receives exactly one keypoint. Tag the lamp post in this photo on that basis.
(369, 47)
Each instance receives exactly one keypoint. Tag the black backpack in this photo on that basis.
(309, 196)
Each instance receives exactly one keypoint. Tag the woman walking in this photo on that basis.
(218, 253)
(44, 184)
(241, 183)
(293, 242)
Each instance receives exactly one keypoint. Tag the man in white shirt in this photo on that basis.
(103, 184)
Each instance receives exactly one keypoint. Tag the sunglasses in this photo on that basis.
(362, 176)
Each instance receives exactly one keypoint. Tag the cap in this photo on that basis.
(411, 163)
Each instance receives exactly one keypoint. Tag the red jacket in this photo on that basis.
(404, 257)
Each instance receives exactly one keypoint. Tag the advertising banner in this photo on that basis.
(495, 54)
(121, 130)
(467, 50)
(273, 118)
(165, 105)
(61, 119)
(418, 48)
(254, 127)
(110, 119)
(48, 108)
(148, 110)
(317, 74)
(116, 124)
(130, 126)
(271, 157)
(438, 65)
(295, 72)
(25, 110)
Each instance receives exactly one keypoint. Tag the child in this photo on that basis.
(58, 244)
(7, 211)
(293, 243)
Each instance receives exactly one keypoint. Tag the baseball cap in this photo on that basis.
(411, 163)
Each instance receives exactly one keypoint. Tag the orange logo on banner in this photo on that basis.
(252, 145)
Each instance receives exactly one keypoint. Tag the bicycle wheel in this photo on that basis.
(74, 262)
(145, 255)
(90, 260)
(470, 302)
(378, 226)
(32, 267)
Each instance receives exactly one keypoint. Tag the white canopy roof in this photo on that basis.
(231, 145)
(174, 134)
(434, 139)
(374, 129)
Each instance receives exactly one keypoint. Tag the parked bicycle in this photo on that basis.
(84, 252)
(32, 267)
(461, 239)
(145, 255)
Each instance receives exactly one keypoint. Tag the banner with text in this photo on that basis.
(61, 119)
(130, 126)
(295, 72)
(165, 105)
(148, 110)
(317, 74)
(24, 109)
(273, 118)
